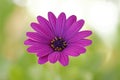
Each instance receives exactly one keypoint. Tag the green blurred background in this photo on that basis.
(100, 62)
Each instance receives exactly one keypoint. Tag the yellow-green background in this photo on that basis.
(17, 64)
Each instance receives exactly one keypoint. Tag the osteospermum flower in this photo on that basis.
(56, 39)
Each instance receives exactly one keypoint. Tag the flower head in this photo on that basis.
(56, 39)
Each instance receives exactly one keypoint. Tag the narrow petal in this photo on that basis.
(33, 49)
(52, 20)
(43, 22)
(30, 42)
(80, 35)
(42, 60)
(45, 26)
(74, 29)
(36, 37)
(37, 27)
(85, 42)
(37, 48)
(54, 57)
(74, 50)
(44, 52)
(60, 23)
(84, 33)
(64, 60)
(70, 21)
(82, 42)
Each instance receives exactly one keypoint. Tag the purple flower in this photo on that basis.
(56, 39)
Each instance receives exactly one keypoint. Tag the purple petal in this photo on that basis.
(74, 29)
(30, 42)
(42, 60)
(52, 20)
(60, 23)
(39, 29)
(36, 27)
(44, 52)
(64, 60)
(54, 57)
(70, 21)
(80, 35)
(74, 50)
(82, 42)
(38, 48)
(46, 28)
(84, 33)
(86, 42)
(36, 37)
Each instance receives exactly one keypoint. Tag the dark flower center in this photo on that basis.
(58, 44)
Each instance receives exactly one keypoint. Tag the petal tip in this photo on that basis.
(64, 65)
(74, 17)
(42, 60)
(32, 24)
(83, 50)
(39, 18)
(26, 42)
(27, 33)
(49, 13)
(29, 50)
(62, 14)
(90, 32)
(64, 60)
(82, 21)
(90, 42)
